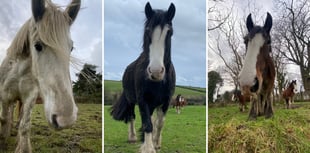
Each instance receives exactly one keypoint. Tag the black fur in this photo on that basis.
(138, 89)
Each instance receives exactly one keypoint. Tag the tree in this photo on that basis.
(88, 87)
(214, 81)
(294, 30)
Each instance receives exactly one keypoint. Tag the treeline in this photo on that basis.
(88, 87)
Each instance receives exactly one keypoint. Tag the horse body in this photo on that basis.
(149, 81)
(37, 65)
(258, 72)
(237, 95)
(289, 92)
(179, 102)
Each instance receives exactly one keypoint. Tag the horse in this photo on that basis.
(37, 65)
(238, 96)
(289, 92)
(257, 75)
(179, 102)
(149, 81)
(19, 110)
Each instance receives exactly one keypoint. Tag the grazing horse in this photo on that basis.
(179, 102)
(237, 95)
(37, 65)
(289, 92)
(258, 72)
(150, 80)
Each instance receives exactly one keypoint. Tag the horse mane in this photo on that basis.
(52, 31)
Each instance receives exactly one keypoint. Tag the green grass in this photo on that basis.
(116, 86)
(287, 131)
(84, 136)
(182, 133)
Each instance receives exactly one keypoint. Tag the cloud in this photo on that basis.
(124, 29)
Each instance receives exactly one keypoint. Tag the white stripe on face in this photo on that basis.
(248, 71)
(157, 50)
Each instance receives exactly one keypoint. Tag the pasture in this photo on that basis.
(287, 131)
(194, 95)
(84, 137)
(182, 133)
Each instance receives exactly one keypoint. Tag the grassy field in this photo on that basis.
(84, 137)
(182, 133)
(287, 131)
(116, 86)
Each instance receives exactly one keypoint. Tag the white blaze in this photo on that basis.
(157, 48)
(248, 71)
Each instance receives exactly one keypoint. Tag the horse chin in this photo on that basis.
(157, 78)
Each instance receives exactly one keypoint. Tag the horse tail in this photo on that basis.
(122, 110)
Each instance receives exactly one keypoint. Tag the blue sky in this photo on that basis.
(123, 31)
(86, 31)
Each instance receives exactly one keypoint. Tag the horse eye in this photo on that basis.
(38, 47)
(72, 49)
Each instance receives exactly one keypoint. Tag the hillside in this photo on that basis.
(194, 95)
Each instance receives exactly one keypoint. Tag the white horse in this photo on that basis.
(37, 65)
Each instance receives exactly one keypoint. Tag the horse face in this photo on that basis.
(257, 43)
(50, 48)
(158, 32)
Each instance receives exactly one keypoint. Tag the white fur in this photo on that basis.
(157, 49)
(157, 128)
(248, 72)
(147, 146)
(132, 131)
(295, 89)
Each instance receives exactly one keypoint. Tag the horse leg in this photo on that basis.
(254, 108)
(6, 120)
(147, 128)
(131, 127)
(269, 106)
(158, 125)
(261, 105)
(29, 98)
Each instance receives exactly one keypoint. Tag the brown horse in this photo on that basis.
(289, 92)
(179, 102)
(258, 72)
(238, 96)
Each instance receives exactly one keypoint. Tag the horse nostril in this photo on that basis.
(54, 121)
(162, 70)
(149, 70)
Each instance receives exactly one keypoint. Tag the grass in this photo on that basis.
(182, 133)
(116, 86)
(287, 131)
(84, 137)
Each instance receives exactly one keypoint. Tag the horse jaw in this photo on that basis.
(248, 71)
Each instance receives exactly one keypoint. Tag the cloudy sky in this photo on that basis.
(123, 31)
(241, 10)
(85, 32)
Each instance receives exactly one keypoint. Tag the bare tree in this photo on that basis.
(216, 16)
(294, 30)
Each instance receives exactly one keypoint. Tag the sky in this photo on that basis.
(123, 32)
(241, 10)
(86, 31)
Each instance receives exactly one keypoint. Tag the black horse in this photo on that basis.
(149, 81)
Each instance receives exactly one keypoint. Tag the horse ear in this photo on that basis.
(268, 23)
(171, 12)
(249, 23)
(148, 11)
(73, 9)
(38, 9)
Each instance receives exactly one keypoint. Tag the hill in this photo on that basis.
(194, 95)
